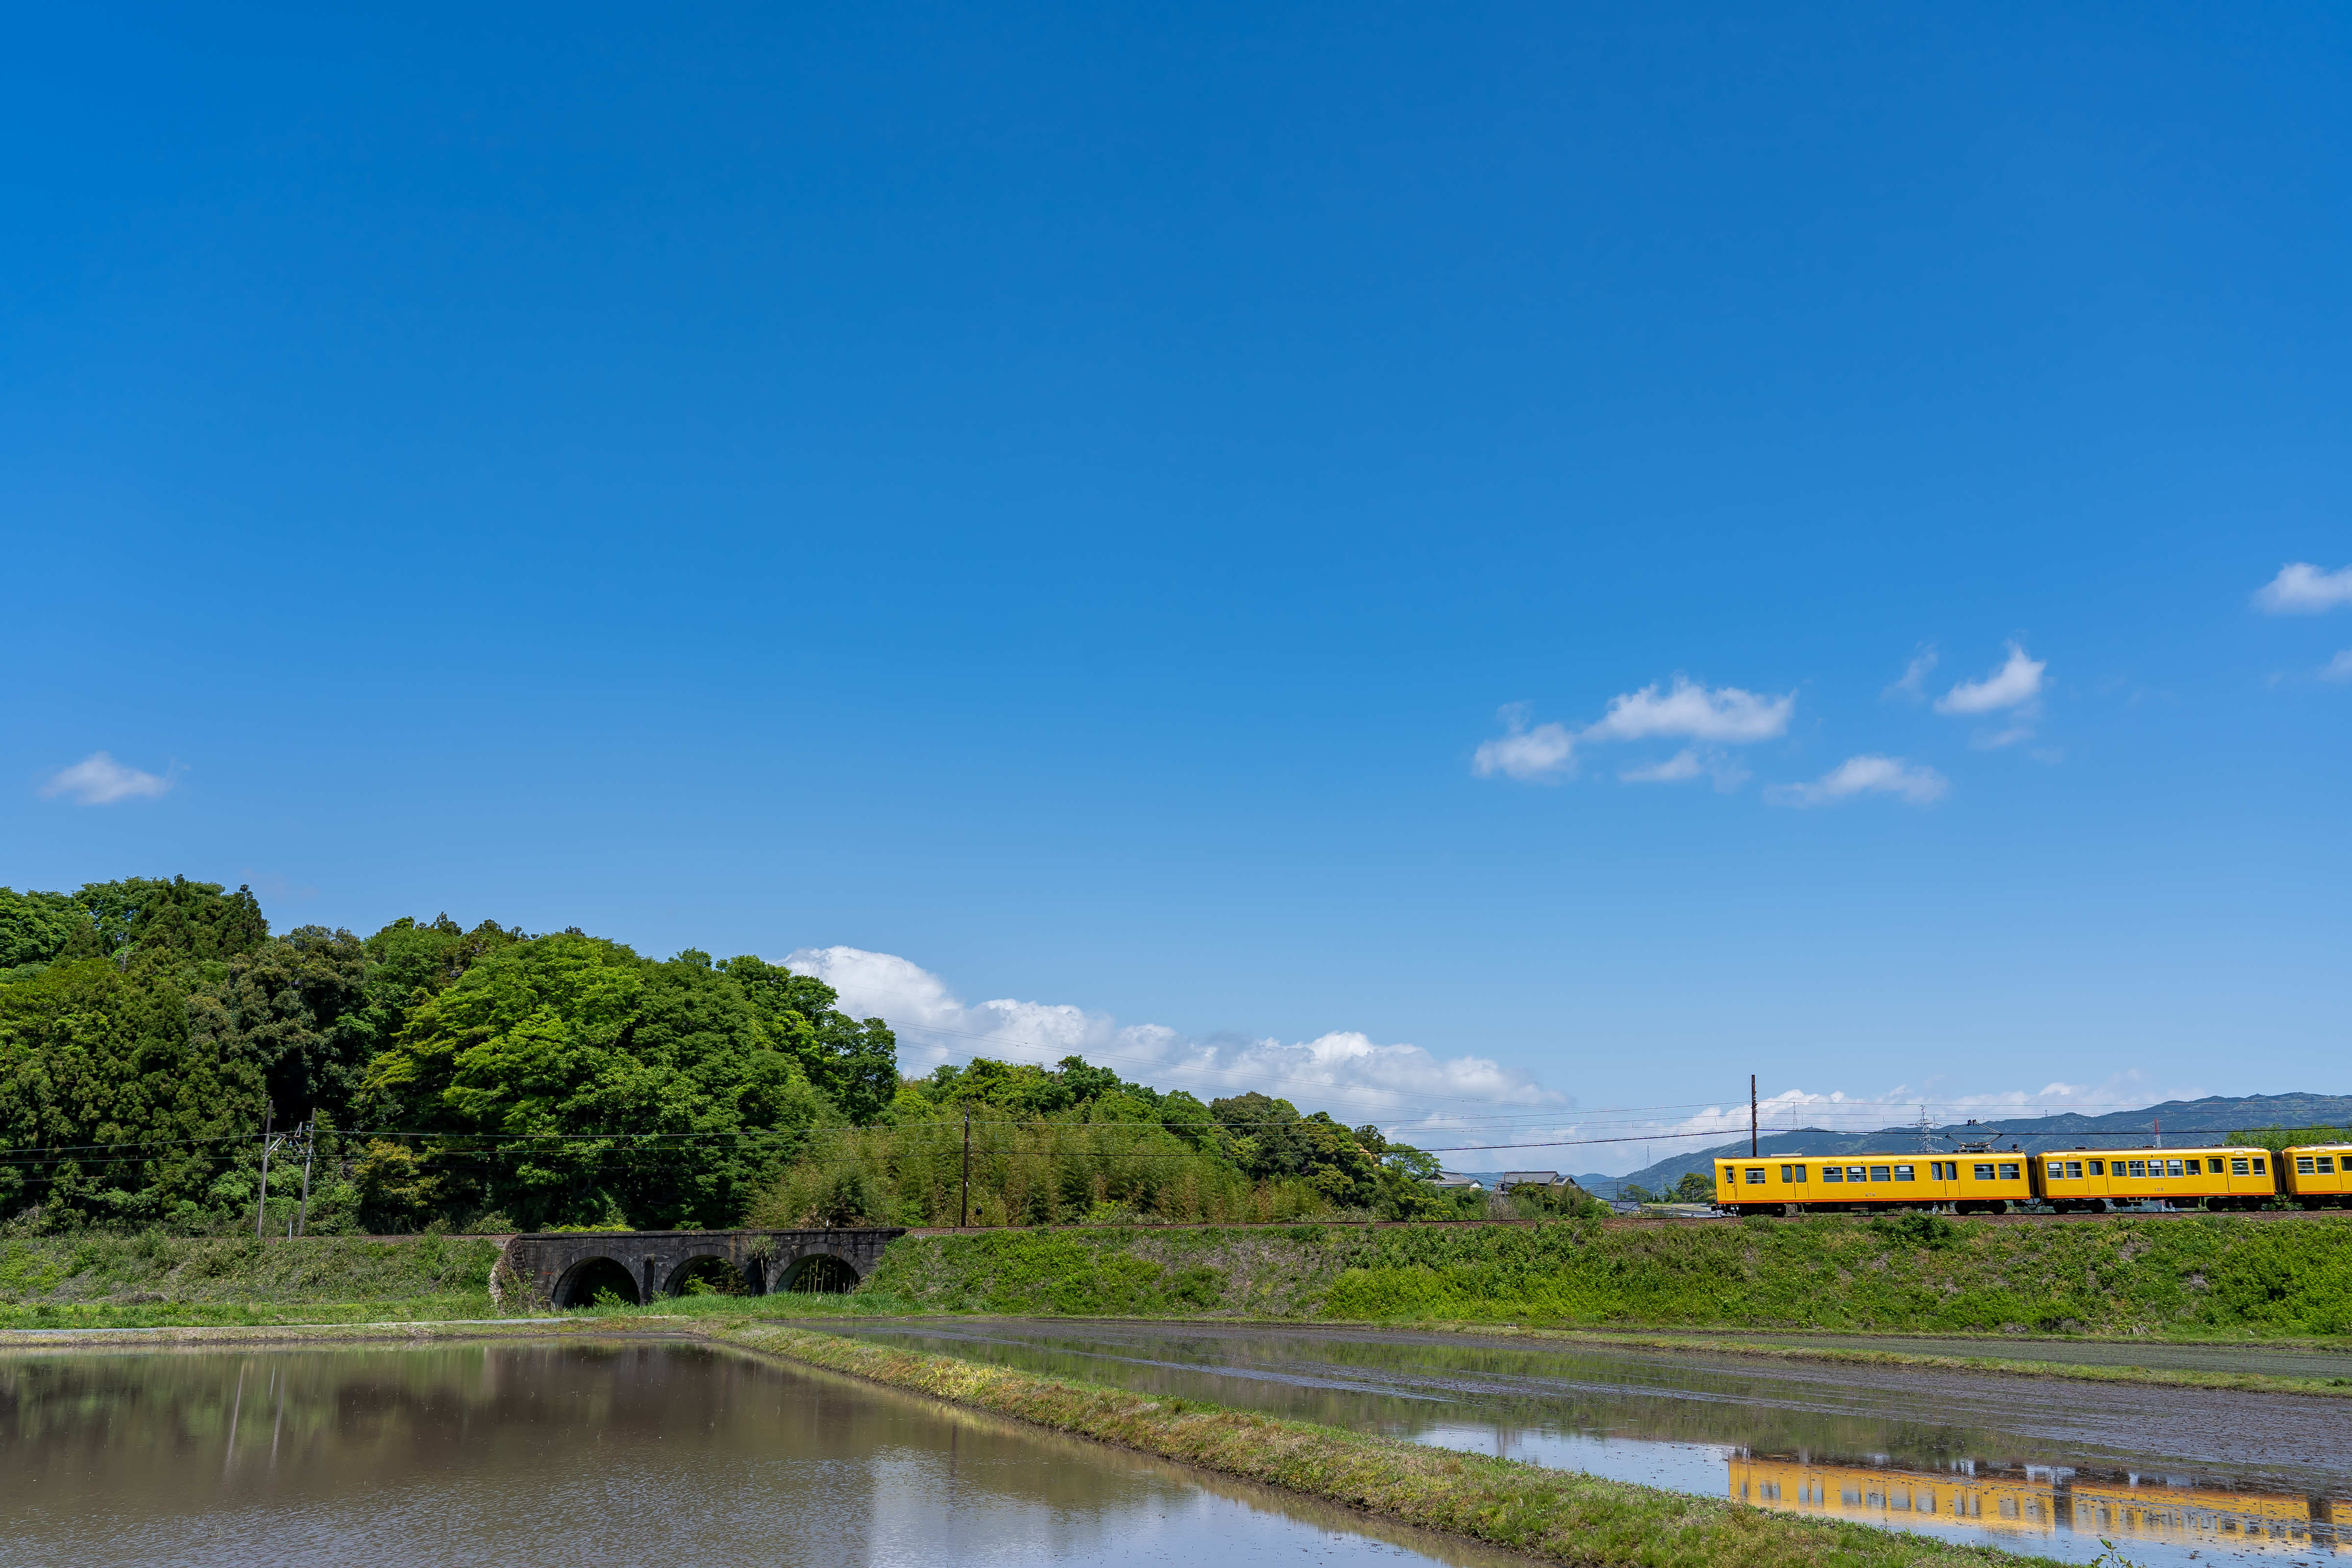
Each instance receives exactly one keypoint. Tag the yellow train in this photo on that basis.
(2072, 1181)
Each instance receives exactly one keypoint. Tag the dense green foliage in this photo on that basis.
(1076, 1142)
(150, 1029)
(490, 1079)
(2189, 1276)
(530, 1065)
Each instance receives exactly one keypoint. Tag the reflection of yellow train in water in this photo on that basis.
(2043, 1504)
(2086, 1181)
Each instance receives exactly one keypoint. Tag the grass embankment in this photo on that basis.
(2206, 1277)
(130, 1281)
(1556, 1514)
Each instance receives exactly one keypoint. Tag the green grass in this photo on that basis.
(129, 1281)
(1557, 1515)
(2195, 1277)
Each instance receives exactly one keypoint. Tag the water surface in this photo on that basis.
(627, 1451)
(2040, 1465)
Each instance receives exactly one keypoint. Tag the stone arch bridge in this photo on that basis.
(563, 1268)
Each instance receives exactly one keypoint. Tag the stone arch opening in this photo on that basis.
(818, 1273)
(705, 1274)
(592, 1277)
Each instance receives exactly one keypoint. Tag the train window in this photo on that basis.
(2073, 1170)
(2098, 1167)
(2212, 1167)
(1832, 1173)
(2172, 1167)
(1904, 1172)
(1754, 1175)
(2237, 1167)
(2139, 1167)
(2325, 1165)
(2302, 1164)
(1856, 1173)
(1984, 1172)
(2058, 1168)
(2258, 1166)
(2010, 1172)
(1880, 1173)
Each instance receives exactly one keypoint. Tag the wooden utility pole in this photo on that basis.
(310, 1147)
(268, 1120)
(963, 1211)
(1752, 1116)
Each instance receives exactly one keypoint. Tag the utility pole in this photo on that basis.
(2158, 1125)
(1752, 1116)
(310, 1147)
(268, 1120)
(963, 1213)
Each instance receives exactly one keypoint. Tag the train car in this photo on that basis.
(2317, 1175)
(1967, 1184)
(2091, 1181)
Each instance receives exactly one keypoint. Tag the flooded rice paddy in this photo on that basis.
(627, 1451)
(2041, 1465)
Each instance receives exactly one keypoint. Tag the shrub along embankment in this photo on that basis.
(2191, 1277)
(123, 1282)
(1556, 1514)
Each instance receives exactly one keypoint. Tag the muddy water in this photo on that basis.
(630, 1451)
(2040, 1465)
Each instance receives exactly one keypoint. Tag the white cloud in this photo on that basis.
(1495, 1118)
(2014, 684)
(1403, 1088)
(1912, 687)
(99, 780)
(1546, 752)
(1693, 712)
(1682, 764)
(1690, 762)
(1914, 782)
(2303, 589)
(2338, 668)
(1725, 715)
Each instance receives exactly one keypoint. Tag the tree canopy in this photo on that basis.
(150, 1028)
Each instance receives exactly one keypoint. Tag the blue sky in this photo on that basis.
(1169, 519)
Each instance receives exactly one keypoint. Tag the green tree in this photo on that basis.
(297, 1008)
(409, 962)
(34, 928)
(189, 920)
(1693, 1188)
(116, 1112)
(568, 1080)
(854, 1061)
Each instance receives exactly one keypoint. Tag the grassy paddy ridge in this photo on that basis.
(1557, 1515)
(2191, 1277)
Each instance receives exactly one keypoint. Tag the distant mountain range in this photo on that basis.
(2183, 1120)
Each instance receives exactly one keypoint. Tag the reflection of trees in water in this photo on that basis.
(326, 1424)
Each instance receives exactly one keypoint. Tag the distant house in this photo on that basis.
(1526, 1179)
(1456, 1182)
